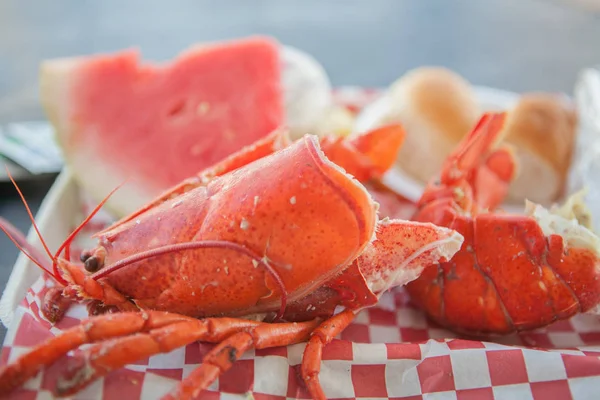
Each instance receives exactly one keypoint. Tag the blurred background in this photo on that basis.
(517, 45)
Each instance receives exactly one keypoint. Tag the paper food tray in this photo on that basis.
(390, 351)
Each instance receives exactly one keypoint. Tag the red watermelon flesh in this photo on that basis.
(154, 125)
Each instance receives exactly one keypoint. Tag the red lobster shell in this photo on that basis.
(513, 272)
(278, 229)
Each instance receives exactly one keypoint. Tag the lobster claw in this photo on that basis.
(367, 155)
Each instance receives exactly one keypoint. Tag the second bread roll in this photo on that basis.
(542, 129)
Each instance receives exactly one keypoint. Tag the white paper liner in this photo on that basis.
(585, 168)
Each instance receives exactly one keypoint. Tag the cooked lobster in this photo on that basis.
(275, 245)
(513, 272)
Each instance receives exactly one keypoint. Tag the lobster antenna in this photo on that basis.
(6, 228)
(30, 214)
(67, 243)
(206, 244)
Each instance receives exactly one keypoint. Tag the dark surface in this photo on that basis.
(520, 45)
(12, 209)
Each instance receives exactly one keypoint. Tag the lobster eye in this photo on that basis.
(84, 256)
(92, 264)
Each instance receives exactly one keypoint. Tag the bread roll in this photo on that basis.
(437, 108)
(542, 128)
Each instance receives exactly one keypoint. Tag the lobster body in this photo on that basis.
(513, 272)
(328, 216)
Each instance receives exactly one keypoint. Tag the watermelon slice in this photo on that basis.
(153, 125)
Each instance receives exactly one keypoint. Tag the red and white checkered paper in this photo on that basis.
(389, 351)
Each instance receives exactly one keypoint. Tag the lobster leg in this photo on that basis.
(55, 304)
(89, 331)
(222, 357)
(238, 334)
(311, 361)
